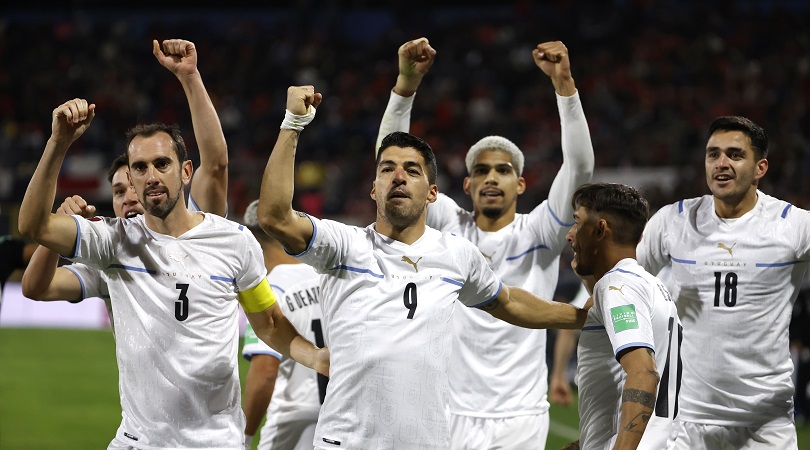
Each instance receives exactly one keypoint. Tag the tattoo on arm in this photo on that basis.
(640, 419)
(638, 396)
(300, 214)
(490, 306)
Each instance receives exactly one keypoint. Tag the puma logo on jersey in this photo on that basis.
(176, 257)
(408, 260)
(726, 247)
(614, 288)
(489, 257)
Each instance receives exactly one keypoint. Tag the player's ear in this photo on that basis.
(373, 189)
(467, 185)
(188, 170)
(521, 185)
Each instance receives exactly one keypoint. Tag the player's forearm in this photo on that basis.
(277, 189)
(40, 273)
(209, 188)
(524, 309)
(259, 386)
(638, 401)
(563, 350)
(35, 210)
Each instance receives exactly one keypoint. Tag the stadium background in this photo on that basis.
(651, 75)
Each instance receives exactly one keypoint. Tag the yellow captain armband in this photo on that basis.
(258, 298)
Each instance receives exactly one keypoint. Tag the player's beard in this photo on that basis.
(493, 212)
(401, 216)
(163, 209)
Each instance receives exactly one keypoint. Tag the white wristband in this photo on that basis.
(295, 122)
(248, 442)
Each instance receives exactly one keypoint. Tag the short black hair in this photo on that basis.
(403, 140)
(623, 205)
(118, 162)
(150, 129)
(757, 135)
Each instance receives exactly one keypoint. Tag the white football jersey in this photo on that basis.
(299, 389)
(734, 281)
(525, 254)
(631, 309)
(93, 285)
(176, 323)
(388, 307)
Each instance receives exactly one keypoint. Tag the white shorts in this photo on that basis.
(517, 433)
(697, 436)
(295, 435)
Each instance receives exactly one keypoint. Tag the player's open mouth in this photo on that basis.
(398, 194)
(131, 214)
(491, 193)
(723, 177)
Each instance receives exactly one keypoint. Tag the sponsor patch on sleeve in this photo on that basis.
(624, 318)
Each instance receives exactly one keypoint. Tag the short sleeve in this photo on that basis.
(800, 220)
(625, 312)
(481, 285)
(91, 280)
(252, 271)
(651, 252)
(329, 241)
(96, 240)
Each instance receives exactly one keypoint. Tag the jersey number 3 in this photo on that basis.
(181, 305)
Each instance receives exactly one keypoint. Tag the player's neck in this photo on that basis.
(611, 255)
(179, 221)
(407, 235)
(735, 208)
(495, 223)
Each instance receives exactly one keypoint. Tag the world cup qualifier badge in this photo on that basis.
(624, 318)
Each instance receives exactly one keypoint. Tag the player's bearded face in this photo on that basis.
(493, 184)
(158, 199)
(401, 188)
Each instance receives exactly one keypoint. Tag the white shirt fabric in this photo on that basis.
(176, 323)
(388, 308)
(525, 254)
(735, 282)
(631, 309)
(296, 395)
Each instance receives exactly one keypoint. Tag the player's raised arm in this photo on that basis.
(57, 232)
(276, 216)
(42, 279)
(209, 188)
(524, 309)
(415, 58)
(578, 158)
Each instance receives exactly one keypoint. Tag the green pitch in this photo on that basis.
(59, 389)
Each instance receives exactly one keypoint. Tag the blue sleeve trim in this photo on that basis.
(625, 271)
(557, 218)
(500, 288)
(78, 237)
(357, 269)
(311, 240)
(225, 279)
(680, 206)
(132, 269)
(249, 356)
(535, 248)
(451, 281)
(683, 261)
(633, 344)
(81, 281)
(277, 287)
(241, 227)
(785, 211)
(781, 264)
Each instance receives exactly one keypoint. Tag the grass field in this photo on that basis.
(59, 389)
